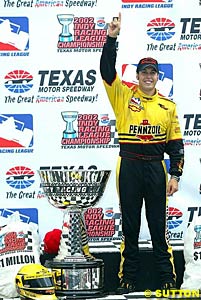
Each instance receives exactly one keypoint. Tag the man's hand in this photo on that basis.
(114, 27)
(172, 187)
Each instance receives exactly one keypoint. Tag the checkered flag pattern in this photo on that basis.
(96, 277)
(42, 247)
(118, 225)
(81, 188)
(83, 231)
(29, 241)
(114, 133)
(71, 242)
(79, 199)
(114, 245)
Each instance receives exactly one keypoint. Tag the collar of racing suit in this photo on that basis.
(143, 96)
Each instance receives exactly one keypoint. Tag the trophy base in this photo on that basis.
(78, 278)
(67, 38)
(70, 135)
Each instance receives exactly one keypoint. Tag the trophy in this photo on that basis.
(69, 117)
(77, 273)
(65, 20)
(197, 230)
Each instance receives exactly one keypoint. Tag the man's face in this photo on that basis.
(147, 80)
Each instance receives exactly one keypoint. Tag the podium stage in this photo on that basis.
(148, 277)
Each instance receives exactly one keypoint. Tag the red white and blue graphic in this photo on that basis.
(18, 81)
(100, 23)
(164, 84)
(27, 215)
(109, 212)
(161, 29)
(16, 130)
(174, 218)
(14, 33)
(104, 119)
(20, 177)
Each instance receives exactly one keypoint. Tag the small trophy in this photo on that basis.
(197, 229)
(69, 117)
(65, 20)
(78, 274)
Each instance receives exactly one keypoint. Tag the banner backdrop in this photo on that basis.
(50, 85)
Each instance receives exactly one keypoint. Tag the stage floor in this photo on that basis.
(131, 296)
(148, 277)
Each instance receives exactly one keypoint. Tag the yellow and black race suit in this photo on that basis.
(148, 127)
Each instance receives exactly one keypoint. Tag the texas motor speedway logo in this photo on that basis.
(162, 30)
(18, 82)
(81, 34)
(65, 82)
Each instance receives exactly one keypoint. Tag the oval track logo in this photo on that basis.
(174, 218)
(160, 29)
(18, 81)
(20, 177)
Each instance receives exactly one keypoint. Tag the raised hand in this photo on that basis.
(114, 27)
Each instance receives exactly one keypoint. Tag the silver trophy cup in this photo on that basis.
(77, 272)
(69, 117)
(65, 20)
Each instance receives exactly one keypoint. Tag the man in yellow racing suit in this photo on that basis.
(148, 127)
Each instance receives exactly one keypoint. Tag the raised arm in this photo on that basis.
(114, 27)
(108, 56)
